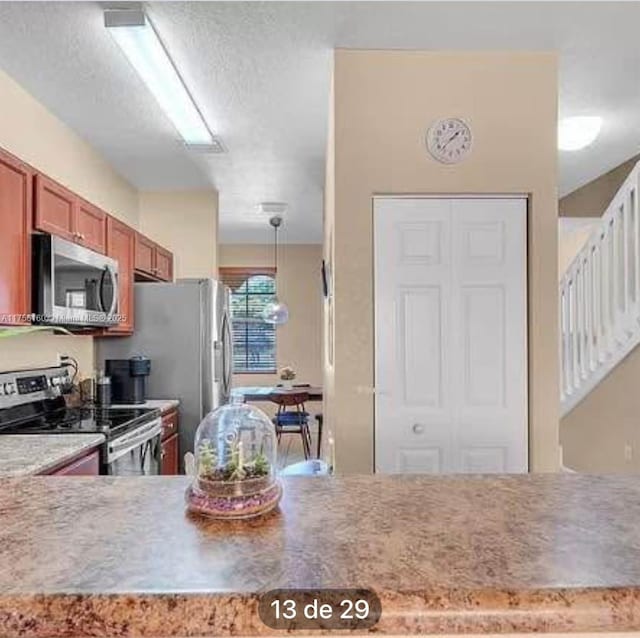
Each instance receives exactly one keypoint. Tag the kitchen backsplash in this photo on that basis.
(41, 350)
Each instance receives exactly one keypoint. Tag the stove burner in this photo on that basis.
(109, 421)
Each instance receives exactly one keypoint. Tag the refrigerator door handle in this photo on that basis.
(227, 354)
(218, 372)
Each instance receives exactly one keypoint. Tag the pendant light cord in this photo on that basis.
(275, 312)
(275, 249)
(275, 221)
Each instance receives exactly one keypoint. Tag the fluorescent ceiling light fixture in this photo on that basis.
(135, 35)
(575, 133)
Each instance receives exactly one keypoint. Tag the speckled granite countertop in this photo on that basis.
(27, 454)
(118, 556)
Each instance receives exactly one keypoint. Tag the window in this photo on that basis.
(254, 341)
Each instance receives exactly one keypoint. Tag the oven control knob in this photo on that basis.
(55, 381)
(9, 388)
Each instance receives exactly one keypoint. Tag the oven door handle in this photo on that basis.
(130, 441)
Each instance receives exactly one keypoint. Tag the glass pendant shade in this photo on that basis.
(275, 312)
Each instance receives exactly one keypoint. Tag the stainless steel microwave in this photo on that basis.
(73, 286)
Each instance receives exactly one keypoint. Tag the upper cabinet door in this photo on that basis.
(121, 247)
(15, 247)
(55, 208)
(145, 250)
(164, 264)
(91, 227)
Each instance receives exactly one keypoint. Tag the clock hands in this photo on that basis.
(453, 137)
(448, 140)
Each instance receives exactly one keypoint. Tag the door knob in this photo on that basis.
(418, 428)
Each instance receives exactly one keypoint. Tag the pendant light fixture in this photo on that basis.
(276, 311)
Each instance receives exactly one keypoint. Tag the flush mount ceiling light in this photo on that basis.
(576, 133)
(276, 311)
(137, 38)
(273, 209)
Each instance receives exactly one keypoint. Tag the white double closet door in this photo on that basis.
(451, 335)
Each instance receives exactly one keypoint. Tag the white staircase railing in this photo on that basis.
(600, 298)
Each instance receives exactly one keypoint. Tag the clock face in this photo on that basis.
(449, 140)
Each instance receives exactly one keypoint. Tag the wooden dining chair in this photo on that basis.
(292, 417)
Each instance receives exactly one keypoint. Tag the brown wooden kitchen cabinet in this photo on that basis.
(144, 254)
(91, 226)
(164, 264)
(55, 208)
(121, 247)
(170, 444)
(61, 212)
(87, 465)
(15, 240)
(170, 456)
(153, 262)
(32, 201)
(169, 424)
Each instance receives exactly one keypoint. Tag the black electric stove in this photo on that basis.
(54, 417)
(33, 402)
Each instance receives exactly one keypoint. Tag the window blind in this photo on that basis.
(254, 341)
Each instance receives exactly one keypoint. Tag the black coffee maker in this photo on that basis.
(128, 379)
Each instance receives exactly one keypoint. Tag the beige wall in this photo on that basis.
(185, 222)
(42, 349)
(592, 199)
(573, 233)
(595, 433)
(384, 102)
(299, 341)
(36, 136)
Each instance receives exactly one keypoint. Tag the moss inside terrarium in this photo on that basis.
(232, 466)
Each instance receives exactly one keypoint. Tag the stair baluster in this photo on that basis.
(600, 298)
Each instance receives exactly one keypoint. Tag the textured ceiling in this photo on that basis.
(260, 74)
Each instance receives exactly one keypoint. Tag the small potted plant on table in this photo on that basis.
(287, 375)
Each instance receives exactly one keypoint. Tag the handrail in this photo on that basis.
(600, 298)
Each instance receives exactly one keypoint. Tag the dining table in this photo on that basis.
(261, 392)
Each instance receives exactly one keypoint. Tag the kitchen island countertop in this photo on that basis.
(28, 454)
(111, 556)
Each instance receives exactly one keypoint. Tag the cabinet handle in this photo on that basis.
(418, 428)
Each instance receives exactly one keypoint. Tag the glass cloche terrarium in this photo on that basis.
(235, 464)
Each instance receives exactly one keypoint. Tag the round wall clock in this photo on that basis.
(449, 140)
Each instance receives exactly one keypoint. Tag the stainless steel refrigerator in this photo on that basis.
(185, 329)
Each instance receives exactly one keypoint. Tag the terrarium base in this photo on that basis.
(233, 506)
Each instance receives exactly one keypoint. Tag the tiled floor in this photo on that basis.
(290, 448)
